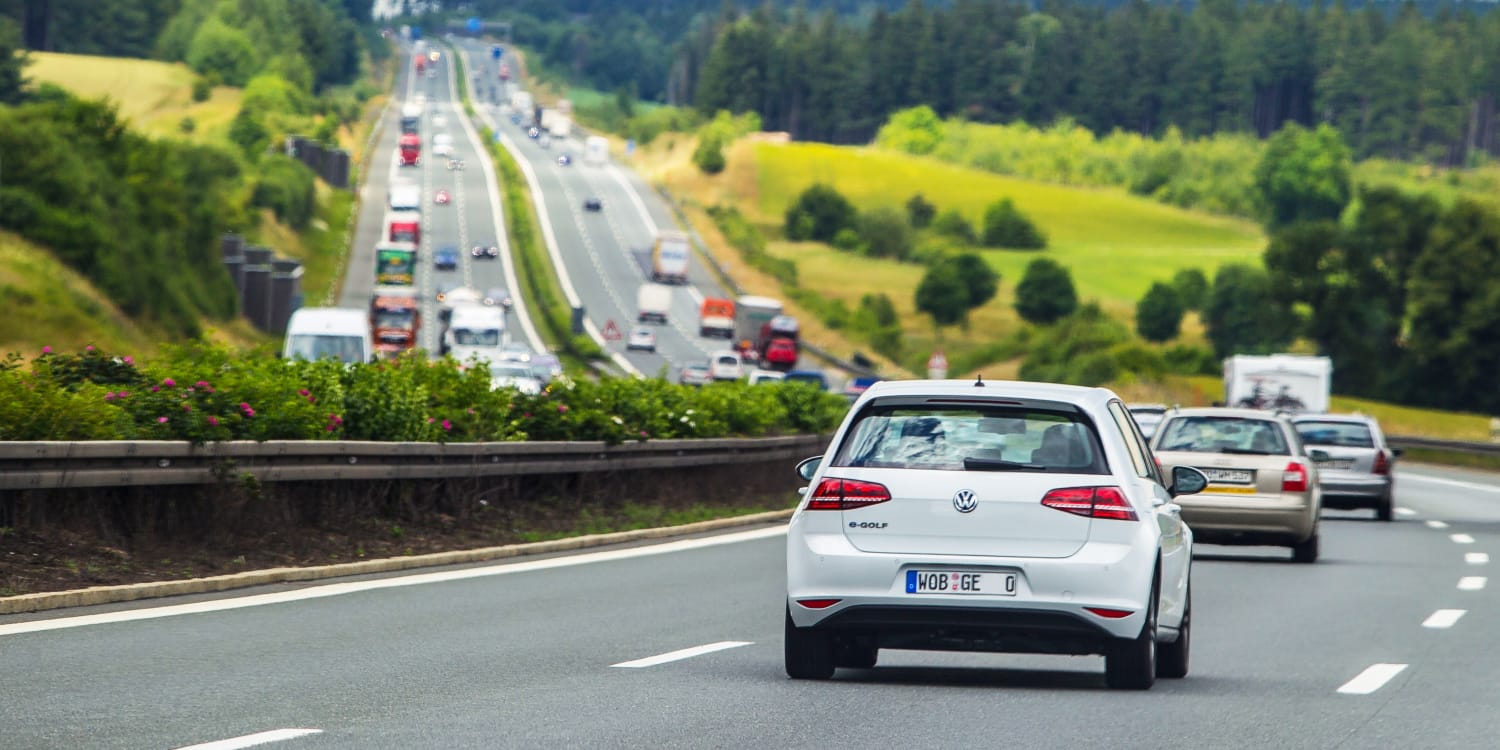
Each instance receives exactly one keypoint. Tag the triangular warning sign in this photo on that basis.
(611, 331)
(938, 361)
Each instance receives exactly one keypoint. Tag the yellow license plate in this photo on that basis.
(1230, 490)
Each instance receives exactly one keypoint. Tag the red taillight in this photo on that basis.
(1382, 464)
(847, 494)
(818, 603)
(1113, 614)
(1091, 502)
(1294, 478)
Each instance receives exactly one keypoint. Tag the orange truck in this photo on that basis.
(395, 319)
(716, 318)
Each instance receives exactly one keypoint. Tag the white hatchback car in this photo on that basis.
(726, 365)
(1004, 517)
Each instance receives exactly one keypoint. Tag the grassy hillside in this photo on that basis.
(154, 96)
(1116, 244)
(47, 302)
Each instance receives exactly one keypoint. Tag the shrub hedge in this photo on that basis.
(204, 392)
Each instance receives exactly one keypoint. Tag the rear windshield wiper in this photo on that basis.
(995, 464)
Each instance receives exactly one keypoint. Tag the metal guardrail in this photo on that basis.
(1456, 446)
(66, 465)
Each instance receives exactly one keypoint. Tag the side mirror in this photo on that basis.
(1187, 480)
(1319, 456)
(1396, 452)
(808, 467)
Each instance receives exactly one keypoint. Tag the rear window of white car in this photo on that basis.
(1340, 434)
(1223, 435)
(972, 439)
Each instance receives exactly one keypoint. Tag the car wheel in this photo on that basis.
(1306, 551)
(1172, 658)
(1383, 511)
(1132, 665)
(809, 653)
(855, 656)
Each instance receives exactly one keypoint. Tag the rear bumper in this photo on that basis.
(1010, 630)
(1252, 520)
(1355, 492)
(1046, 615)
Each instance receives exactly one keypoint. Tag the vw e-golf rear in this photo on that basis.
(1009, 517)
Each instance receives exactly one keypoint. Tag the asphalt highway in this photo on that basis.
(606, 253)
(473, 216)
(1386, 642)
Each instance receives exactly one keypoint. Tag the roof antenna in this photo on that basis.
(978, 380)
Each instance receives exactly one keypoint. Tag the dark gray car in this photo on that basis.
(1358, 472)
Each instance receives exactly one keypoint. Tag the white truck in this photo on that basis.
(596, 150)
(669, 257)
(342, 333)
(406, 196)
(1284, 382)
(652, 302)
(522, 103)
(475, 332)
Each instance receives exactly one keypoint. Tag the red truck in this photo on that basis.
(403, 226)
(777, 343)
(395, 318)
(411, 149)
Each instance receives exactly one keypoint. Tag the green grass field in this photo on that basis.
(1115, 244)
(154, 96)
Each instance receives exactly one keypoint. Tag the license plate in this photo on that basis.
(953, 582)
(1227, 489)
(1341, 463)
(1232, 476)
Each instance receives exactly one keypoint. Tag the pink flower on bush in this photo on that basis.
(302, 392)
(213, 421)
(187, 407)
(562, 408)
(109, 396)
(129, 361)
(161, 420)
(447, 425)
(89, 348)
(643, 434)
(123, 394)
(201, 384)
(332, 427)
(429, 420)
(155, 388)
(168, 382)
(244, 407)
(46, 350)
(471, 410)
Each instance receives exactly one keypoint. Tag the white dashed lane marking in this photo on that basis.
(1372, 679)
(1477, 558)
(1461, 538)
(1436, 525)
(680, 654)
(1405, 512)
(1472, 583)
(252, 740)
(1443, 618)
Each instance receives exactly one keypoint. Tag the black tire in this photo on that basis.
(809, 653)
(852, 656)
(1172, 658)
(1132, 665)
(1306, 551)
(1384, 511)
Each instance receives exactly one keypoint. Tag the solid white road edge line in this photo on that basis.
(1372, 679)
(1477, 558)
(1436, 525)
(680, 654)
(351, 587)
(251, 740)
(1443, 618)
(1461, 538)
(1405, 512)
(1472, 583)
(1454, 482)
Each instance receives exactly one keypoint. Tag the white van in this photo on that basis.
(339, 332)
(406, 196)
(475, 332)
(442, 145)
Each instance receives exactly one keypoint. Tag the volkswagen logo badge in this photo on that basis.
(964, 501)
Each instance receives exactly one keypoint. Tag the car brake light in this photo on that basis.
(1113, 614)
(818, 603)
(1382, 464)
(1091, 502)
(1294, 478)
(847, 494)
